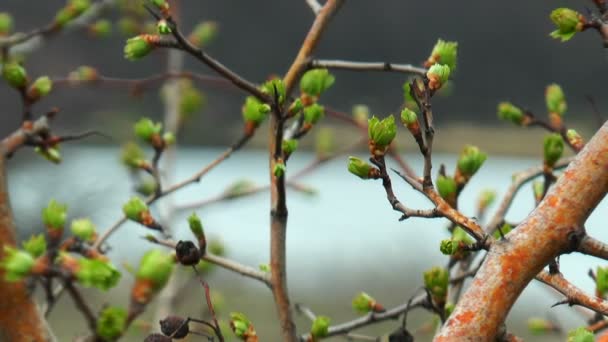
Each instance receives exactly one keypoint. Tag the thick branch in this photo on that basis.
(594, 247)
(553, 228)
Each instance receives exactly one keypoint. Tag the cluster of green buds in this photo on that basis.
(140, 46)
(438, 75)
(581, 335)
(575, 139)
(111, 323)
(556, 104)
(444, 52)
(254, 113)
(541, 326)
(196, 227)
(54, 217)
(436, 281)
(204, 33)
(601, 282)
(364, 303)
(152, 275)
(470, 161)
(320, 328)
(35, 245)
(568, 22)
(447, 188)
(83, 73)
(17, 264)
(84, 229)
(150, 132)
(96, 273)
(289, 146)
(381, 133)
(553, 149)
(137, 210)
(409, 119)
(313, 83)
(242, 327)
(455, 246)
(6, 24)
(15, 75)
(72, 10)
(509, 112)
(41, 87)
(101, 28)
(362, 169)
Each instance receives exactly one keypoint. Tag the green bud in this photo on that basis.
(239, 188)
(264, 268)
(324, 142)
(155, 266)
(146, 186)
(6, 23)
(361, 114)
(553, 148)
(254, 110)
(320, 327)
(54, 215)
(169, 138)
(443, 53)
(382, 133)
(84, 73)
(408, 117)
(138, 47)
(275, 88)
(580, 335)
(486, 198)
(111, 323)
(315, 82)
(538, 187)
(17, 264)
(574, 138)
(438, 75)
(313, 113)
(539, 326)
(471, 159)
(41, 87)
(601, 282)
(204, 33)
(436, 280)
(508, 112)
(132, 155)
(568, 22)
(134, 208)
(408, 99)
(15, 75)
(289, 146)
(162, 27)
(241, 325)
(145, 129)
(460, 235)
(448, 247)
(36, 245)
(72, 10)
(101, 28)
(216, 247)
(96, 273)
(51, 154)
(160, 4)
(446, 186)
(555, 99)
(196, 226)
(449, 308)
(363, 303)
(128, 26)
(296, 107)
(191, 100)
(359, 167)
(84, 229)
(279, 169)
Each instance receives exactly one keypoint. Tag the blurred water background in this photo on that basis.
(342, 240)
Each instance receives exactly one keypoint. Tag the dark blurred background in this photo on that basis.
(505, 53)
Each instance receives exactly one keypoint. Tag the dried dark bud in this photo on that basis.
(156, 337)
(400, 335)
(174, 326)
(187, 253)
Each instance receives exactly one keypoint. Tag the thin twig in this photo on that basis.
(367, 66)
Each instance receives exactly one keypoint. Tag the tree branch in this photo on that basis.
(574, 295)
(594, 247)
(366, 66)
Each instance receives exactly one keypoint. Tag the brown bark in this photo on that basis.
(20, 319)
(553, 228)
